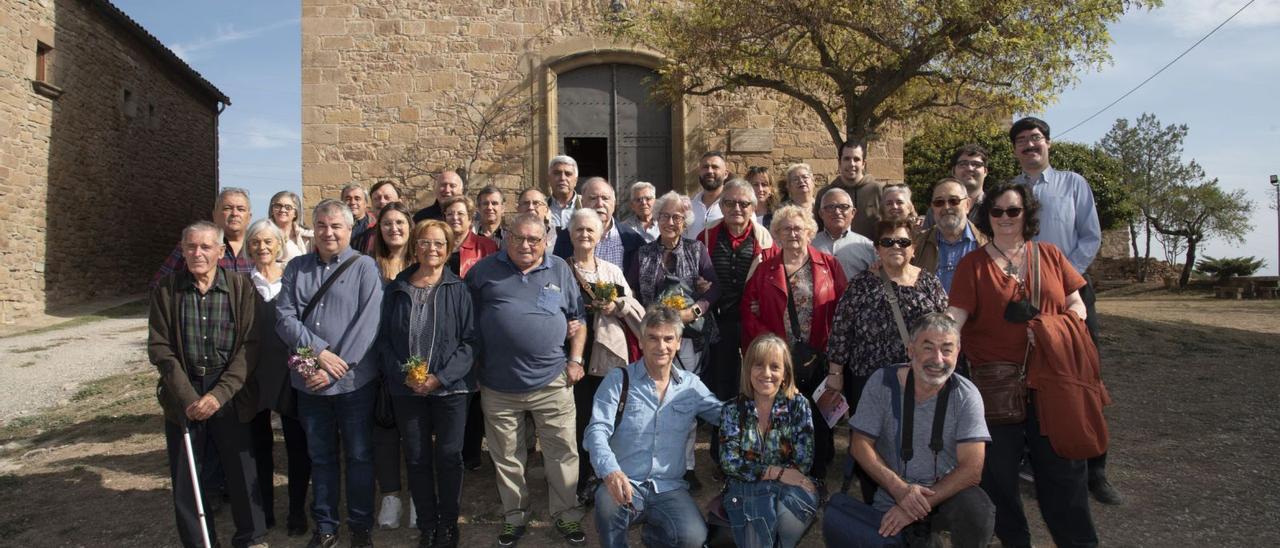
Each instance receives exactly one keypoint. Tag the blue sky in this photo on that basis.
(1225, 90)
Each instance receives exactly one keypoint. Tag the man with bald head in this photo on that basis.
(854, 251)
(448, 185)
(616, 246)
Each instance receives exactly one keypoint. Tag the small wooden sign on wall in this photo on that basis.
(751, 140)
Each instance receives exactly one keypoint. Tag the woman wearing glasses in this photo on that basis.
(992, 300)
(284, 213)
(865, 336)
(427, 314)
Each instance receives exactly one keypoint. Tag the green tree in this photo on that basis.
(926, 158)
(1151, 163)
(860, 64)
(1229, 267)
(1199, 211)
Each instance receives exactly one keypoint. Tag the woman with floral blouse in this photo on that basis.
(766, 447)
(864, 334)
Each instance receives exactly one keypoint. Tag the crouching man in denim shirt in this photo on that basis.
(637, 445)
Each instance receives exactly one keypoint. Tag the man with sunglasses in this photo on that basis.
(953, 235)
(1069, 220)
(854, 251)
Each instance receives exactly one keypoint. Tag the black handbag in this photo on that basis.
(807, 363)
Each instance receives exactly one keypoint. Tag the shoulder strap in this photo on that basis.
(892, 295)
(908, 418)
(324, 288)
(791, 301)
(622, 399)
(1033, 275)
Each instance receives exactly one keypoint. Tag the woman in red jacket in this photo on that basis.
(458, 213)
(792, 292)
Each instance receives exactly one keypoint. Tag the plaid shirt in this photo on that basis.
(230, 261)
(610, 246)
(208, 324)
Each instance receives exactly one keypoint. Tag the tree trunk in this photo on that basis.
(1146, 259)
(1133, 238)
(1191, 261)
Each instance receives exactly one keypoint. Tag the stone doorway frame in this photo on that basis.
(583, 52)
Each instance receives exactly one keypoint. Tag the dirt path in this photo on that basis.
(1194, 382)
(47, 368)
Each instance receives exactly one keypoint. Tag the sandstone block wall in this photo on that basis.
(96, 184)
(398, 89)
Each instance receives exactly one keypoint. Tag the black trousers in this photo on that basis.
(1061, 486)
(724, 369)
(824, 447)
(853, 385)
(473, 433)
(299, 465)
(1098, 464)
(386, 458)
(235, 451)
(584, 396)
(433, 431)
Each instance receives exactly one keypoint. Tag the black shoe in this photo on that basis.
(361, 539)
(1103, 492)
(572, 532)
(510, 534)
(472, 464)
(446, 536)
(323, 540)
(695, 484)
(587, 491)
(297, 526)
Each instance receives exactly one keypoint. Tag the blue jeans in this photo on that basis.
(670, 518)
(435, 466)
(323, 417)
(764, 511)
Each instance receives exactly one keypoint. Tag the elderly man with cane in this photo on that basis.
(202, 341)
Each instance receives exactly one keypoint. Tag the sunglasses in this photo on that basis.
(1014, 212)
(942, 202)
(890, 242)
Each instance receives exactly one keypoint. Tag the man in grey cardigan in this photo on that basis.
(339, 328)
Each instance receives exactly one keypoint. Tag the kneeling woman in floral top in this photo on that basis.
(766, 447)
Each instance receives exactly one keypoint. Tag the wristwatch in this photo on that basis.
(575, 359)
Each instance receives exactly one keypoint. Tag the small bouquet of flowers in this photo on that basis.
(415, 371)
(601, 294)
(305, 362)
(674, 298)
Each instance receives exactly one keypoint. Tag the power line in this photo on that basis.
(1162, 69)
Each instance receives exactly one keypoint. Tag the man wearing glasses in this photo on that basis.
(1069, 220)
(969, 166)
(524, 299)
(534, 202)
(939, 249)
(854, 251)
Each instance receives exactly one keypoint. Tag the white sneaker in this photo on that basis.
(389, 515)
(413, 515)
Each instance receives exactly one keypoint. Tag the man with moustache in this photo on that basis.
(448, 185)
(712, 173)
(616, 246)
(1069, 220)
(928, 469)
(357, 199)
(862, 188)
(335, 404)
(490, 205)
(939, 249)
(231, 214)
(853, 250)
(562, 174)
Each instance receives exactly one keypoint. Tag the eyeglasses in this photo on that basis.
(837, 207)
(531, 240)
(943, 202)
(1014, 212)
(890, 242)
(670, 217)
(532, 203)
(975, 164)
(1035, 138)
(282, 207)
(425, 244)
(735, 204)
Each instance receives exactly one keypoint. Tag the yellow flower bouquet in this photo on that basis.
(415, 371)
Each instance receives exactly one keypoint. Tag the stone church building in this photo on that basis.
(401, 90)
(108, 147)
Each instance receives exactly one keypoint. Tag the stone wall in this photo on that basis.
(394, 90)
(95, 184)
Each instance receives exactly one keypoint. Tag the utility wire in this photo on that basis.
(1162, 69)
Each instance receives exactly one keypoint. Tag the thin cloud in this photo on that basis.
(225, 34)
(1196, 17)
(257, 133)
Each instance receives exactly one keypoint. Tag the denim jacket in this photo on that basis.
(454, 351)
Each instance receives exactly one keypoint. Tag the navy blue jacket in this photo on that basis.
(454, 354)
(630, 243)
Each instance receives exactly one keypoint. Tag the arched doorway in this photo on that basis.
(608, 123)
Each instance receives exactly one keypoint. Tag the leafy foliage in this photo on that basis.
(1228, 267)
(859, 64)
(1198, 211)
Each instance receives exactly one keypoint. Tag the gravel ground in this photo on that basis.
(45, 369)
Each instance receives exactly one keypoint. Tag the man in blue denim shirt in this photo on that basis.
(340, 330)
(643, 465)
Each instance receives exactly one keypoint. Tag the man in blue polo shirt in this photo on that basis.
(524, 299)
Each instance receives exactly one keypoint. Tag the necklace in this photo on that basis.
(1009, 267)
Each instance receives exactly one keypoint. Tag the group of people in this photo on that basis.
(387, 335)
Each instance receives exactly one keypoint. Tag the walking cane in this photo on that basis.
(195, 484)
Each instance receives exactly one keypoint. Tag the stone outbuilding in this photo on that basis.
(401, 90)
(108, 147)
